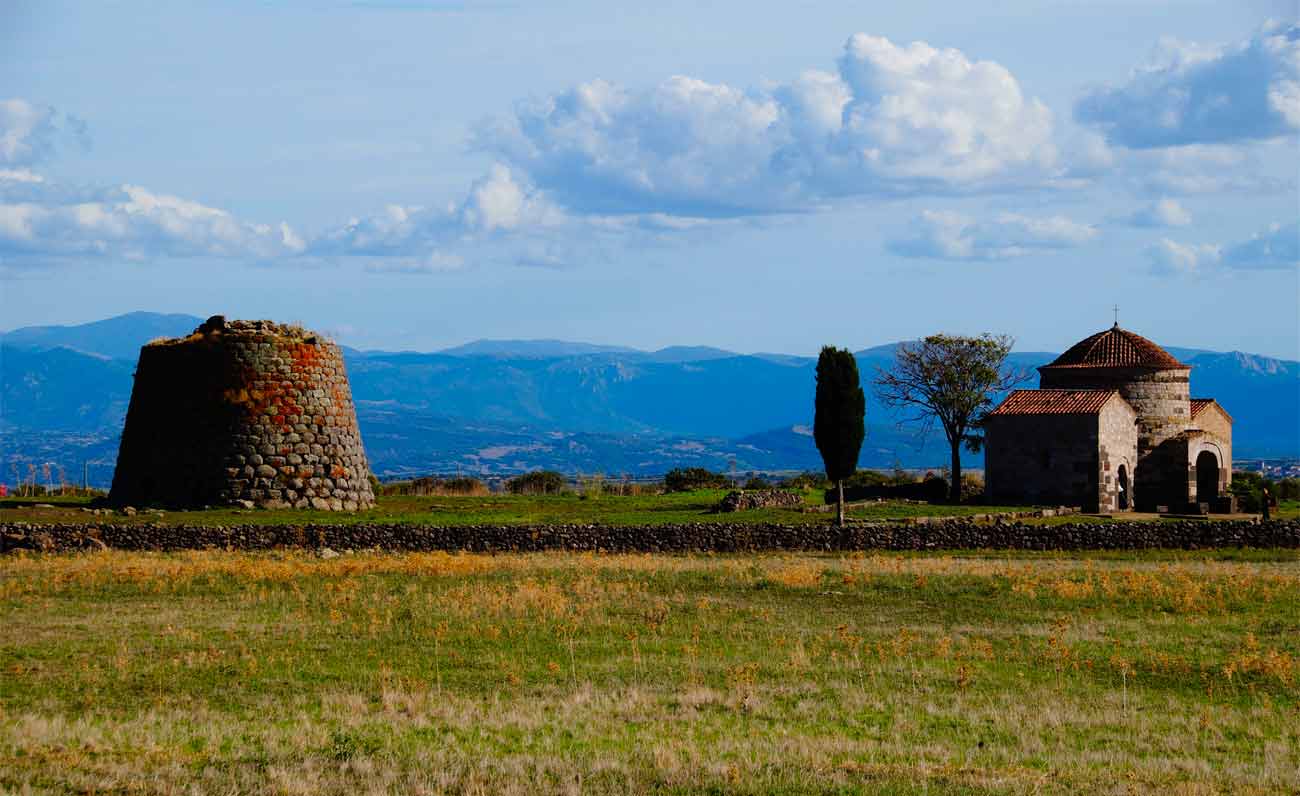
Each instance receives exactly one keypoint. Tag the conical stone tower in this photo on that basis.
(242, 413)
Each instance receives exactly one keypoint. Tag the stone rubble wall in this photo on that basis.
(248, 413)
(745, 500)
(952, 534)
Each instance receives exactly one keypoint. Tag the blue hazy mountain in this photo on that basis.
(509, 405)
(119, 337)
(530, 349)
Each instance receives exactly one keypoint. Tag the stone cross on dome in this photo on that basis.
(1116, 311)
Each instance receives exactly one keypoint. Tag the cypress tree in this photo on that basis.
(839, 425)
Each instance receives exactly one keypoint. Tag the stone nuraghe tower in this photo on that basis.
(245, 412)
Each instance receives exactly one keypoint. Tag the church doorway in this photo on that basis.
(1121, 479)
(1207, 477)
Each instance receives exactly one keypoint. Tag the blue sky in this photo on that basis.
(417, 174)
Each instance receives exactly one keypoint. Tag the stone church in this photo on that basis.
(1112, 427)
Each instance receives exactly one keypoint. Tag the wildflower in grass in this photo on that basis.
(964, 677)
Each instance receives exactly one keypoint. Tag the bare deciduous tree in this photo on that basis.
(953, 380)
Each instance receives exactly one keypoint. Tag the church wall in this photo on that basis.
(1161, 398)
(1197, 443)
(1214, 422)
(1162, 401)
(1043, 459)
(1117, 444)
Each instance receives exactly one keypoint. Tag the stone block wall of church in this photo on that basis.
(1213, 422)
(245, 412)
(1162, 401)
(1161, 398)
(1043, 459)
(1117, 444)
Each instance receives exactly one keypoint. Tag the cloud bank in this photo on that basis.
(893, 120)
(133, 223)
(952, 236)
(1161, 213)
(1204, 95)
(41, 218)
(1276, 248)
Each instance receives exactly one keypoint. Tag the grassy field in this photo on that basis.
(497, 509)
(281, 672)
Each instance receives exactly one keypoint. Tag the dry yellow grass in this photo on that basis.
(441, 673)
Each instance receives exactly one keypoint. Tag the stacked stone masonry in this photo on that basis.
(1071, 459)
(1177, 461)
(1162, 401)
(719, 537)
(246, 413)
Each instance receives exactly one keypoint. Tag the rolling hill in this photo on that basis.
(506, 406)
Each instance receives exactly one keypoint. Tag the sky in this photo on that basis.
(414, 174)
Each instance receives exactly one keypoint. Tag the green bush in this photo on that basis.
(866, 478)
(756, 483)
(538, 482)
(688, 479)
(1249, 491)
(810, 479)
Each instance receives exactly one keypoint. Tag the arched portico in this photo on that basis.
(1206, 464)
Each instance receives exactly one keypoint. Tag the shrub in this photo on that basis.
(755, 482)
(464, 485)
(538, 482)
(689, 479)
(809, 479)
(866, 478)
(934, 488)
(1249, 490)
(430, 485)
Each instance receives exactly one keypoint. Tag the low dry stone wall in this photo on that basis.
(681, 538)
(758, 499)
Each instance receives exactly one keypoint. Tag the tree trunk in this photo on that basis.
(839, 514)
(954, 489)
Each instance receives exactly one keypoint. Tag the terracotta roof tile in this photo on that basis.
(1054, 402)
(1200, 404)
(1116, 348)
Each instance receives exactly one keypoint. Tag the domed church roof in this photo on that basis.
(1117, 348)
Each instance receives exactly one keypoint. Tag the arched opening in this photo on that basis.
(1121, 480)
(1207, 477)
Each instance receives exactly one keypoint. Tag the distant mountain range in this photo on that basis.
(498, 407)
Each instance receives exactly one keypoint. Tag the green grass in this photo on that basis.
(499, 509)
(1171, 673)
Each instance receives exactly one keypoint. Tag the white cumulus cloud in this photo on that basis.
(498, 204)
(947, 235)
(1204, 95)
(1170, 257)
(27, 132)
(892, 120)
(1276, 247)
(1160, 213)
(129, 222)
